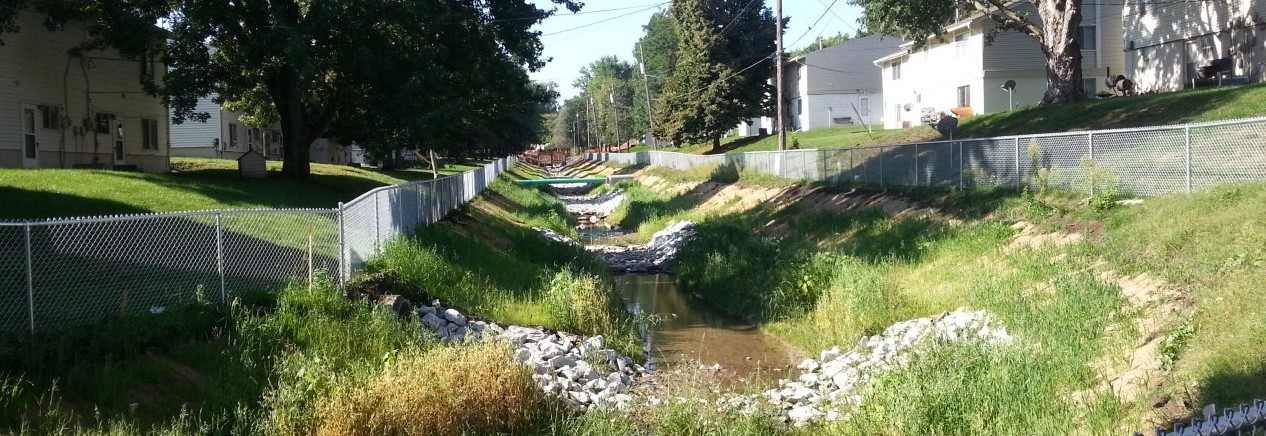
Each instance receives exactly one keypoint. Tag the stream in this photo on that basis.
(684, 330)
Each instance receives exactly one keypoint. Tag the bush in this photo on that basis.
(477, 389)
(583, 304)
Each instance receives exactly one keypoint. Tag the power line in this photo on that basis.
(815, 23)
(606, 20)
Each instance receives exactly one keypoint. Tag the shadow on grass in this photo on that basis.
(640, 210)
(1227, 390)
(736, 144)
(42, 204)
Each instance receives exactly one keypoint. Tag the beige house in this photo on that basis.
(225, 136)
(61, 111)
(961, 71)
(1166, 41)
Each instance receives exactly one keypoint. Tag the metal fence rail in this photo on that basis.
(62, 272)
(1142, 161)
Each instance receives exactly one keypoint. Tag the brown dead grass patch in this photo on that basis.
(477, 389)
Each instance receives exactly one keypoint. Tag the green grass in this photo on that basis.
(1187, 106)
(832, 277)
(311, 361)
(193, 184)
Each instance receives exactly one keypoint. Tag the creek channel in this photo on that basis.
(679, 329)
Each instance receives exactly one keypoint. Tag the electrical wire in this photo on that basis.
(606, 20)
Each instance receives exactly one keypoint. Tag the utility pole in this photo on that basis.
(646, 84)
(589, 124)
(615, 115)
(782, 135)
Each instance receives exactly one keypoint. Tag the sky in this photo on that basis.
(612, 27)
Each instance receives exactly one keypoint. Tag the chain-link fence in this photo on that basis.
(1142, 161)
(61, 272)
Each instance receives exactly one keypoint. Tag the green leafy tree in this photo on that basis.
(1055, 27)
(423, 67)
(656, 52)
(607, 89)
(724, 60)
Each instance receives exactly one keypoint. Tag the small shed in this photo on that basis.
(252, 165)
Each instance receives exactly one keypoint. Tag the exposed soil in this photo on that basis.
(1158, 307)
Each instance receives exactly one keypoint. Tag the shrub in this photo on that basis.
(581, 303)
(477, 389)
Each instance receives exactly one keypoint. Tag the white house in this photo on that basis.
(225, 136)
(1166, 41)
(837, 85)
(58, 110)
(961, 70)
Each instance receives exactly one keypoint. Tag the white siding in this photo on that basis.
(827, 83)
(33, 70)
(1165, 41)
(198, 134)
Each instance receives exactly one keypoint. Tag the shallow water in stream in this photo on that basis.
(687, 330)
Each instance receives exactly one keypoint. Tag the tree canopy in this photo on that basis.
(1055, 27)
(448, 74)
(725, 57)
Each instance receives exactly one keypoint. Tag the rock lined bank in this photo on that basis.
(593, 205)
(581, 370)
(831, 385)
(651, 257)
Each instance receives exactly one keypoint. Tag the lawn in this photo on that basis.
(193, 184)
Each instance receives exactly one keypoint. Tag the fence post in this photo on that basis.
(1187, 144)
(1090, 143)
(219, 256)
(30, 281)
(962, 167)
(1017, 164)
(343, 267)
(881, 166)
(916, 164)
(851, 168)
(377, 224)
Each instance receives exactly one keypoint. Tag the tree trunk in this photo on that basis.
(1060, 44)
(716, 143)
(297, 137)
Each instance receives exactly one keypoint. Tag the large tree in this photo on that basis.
(725, 56)
(606, 87)
(1055, 27)
(656, 53)
(444, 66)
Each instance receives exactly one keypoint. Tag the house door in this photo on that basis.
(30, 148)
(119, 152)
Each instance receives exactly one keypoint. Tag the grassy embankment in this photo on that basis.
(820, 276)
(311, 361)
(1187, 106)
(193, 184)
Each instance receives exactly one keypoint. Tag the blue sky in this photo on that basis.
(611, 27)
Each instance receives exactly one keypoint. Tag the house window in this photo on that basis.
(1088, 33)
(1088, 86)
(147, 66)
(104, 121)
(51, 117)
(964, 96)
(233, 135)
(896, 70)
(865, 103)
(799, 108)
(149, 134)
(960, 44)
